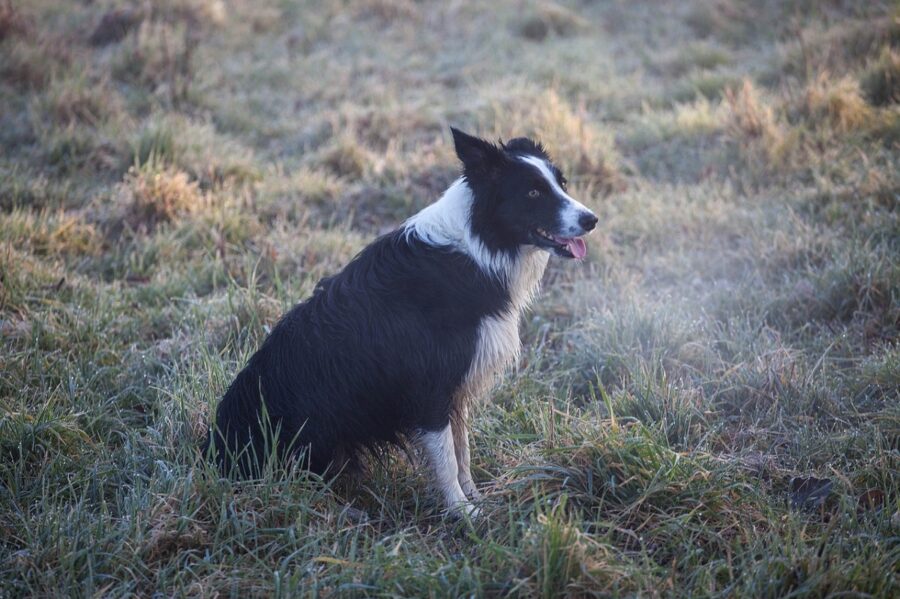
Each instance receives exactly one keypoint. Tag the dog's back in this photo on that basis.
(375, 353)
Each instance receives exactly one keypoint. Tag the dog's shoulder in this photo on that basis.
(398, 271)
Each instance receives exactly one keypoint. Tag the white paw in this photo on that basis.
(470, 490)
(465, 510)
(472, 512)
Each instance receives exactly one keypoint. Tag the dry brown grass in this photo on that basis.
(751, 122)
(347, 157)
(699, 117)
(52, 233)
(750, 115)
(838, 102)
(155, 196)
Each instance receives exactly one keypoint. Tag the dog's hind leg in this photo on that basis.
(438, 447)
(460, 423)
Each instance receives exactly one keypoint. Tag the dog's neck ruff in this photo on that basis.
(448, 222)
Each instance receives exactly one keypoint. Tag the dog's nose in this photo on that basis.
(587, 221)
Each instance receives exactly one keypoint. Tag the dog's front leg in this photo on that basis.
(439, 448)
(460, 424)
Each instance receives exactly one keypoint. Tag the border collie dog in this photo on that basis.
(417, 326)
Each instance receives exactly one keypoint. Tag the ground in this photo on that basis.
(707, 406)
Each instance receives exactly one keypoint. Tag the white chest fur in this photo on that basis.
(447, 222)
(498, 344)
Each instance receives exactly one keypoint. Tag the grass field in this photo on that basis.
(709, 405)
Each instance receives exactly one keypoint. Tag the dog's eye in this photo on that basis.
(564, 184)
(533, 193)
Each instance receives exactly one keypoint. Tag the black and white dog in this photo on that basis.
(416, 327)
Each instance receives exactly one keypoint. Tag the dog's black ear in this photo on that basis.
(477, 155)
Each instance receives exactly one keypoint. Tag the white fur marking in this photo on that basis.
(573, 208)
(438, 447)
(459, 422)
(498, 342)
(447, 222)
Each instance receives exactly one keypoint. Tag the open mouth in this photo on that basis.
(567, 247)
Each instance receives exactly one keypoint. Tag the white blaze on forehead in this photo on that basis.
(544, 169)
(573, 208)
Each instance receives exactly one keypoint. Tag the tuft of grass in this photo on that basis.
(861, 285)
(839, 103)
(763, 139)
(23, 189)
(697, 118)
(159, 54)
(840, 48)
(196, 147)
(79, 101)
(27, 66)
(51, 233)
(155, 143)
(665, 142)
(345, 157)
(750, 116)
(30, 438)
(294, 195)
(155, 194)
(76, 148)
(558, 558)
(881, 80)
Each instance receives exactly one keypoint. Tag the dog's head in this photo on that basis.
(520, 197)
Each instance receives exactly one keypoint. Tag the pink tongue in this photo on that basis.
(577, 247)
